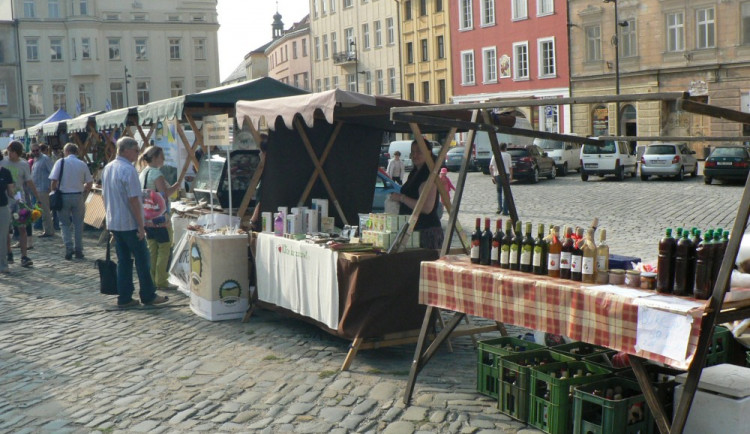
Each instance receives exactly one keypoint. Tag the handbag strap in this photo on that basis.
(62, 170)
(145, 179)
(109, 240)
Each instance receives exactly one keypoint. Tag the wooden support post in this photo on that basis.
(318, 168)
(144, 137)
(191, 153)
(323, 178)
(250, 192)
(657, 410)
(353, 348)
(501, 170)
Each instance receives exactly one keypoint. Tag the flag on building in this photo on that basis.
(78, 107)
(107, 105)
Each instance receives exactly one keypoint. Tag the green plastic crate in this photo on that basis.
(490, 351)
(513, 398)
(579, 350)
(663, 381)
(595, 414)
(718, 351)
(550, 396)
(604, 360)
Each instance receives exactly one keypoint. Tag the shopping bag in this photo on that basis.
(107, 273)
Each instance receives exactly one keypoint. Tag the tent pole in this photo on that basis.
(255, 180)
(501, 169)
(322, 161)
(143, 135)
(186, 143)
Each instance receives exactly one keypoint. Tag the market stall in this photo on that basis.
(648, 326)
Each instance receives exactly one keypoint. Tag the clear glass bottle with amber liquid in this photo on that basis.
(497, 241)
(566, 253)
(553, 257)
(541, 250)
(505, 246)
(527, 250)
(576, 257)
(485, 244)
(476, 239)
(515, 248)
(588, 263)
(602, 253)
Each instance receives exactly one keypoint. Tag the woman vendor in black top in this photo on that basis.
(428, 223)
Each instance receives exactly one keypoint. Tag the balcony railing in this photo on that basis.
(344, 57)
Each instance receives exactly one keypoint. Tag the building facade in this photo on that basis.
(90, 55)
(426, 51)
(664, 46)
(355, 46)
(289, 56)
(10, 102)
(514, 50)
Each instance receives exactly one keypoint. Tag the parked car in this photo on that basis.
(384, 186)
(483, 150)
(725, 163)
(612, 158)
(404, 147)
(384, 156)
(530, 162)
(565, 154)
(668, 159)
(455, 158)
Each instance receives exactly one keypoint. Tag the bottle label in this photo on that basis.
(504, 255)
(475, 250)
(494, 251)
(565, 258)
(575, 263)
(588, 265)
(526, 255)
(514, 254)
(601, 263)
(537, 258)
(553, 261)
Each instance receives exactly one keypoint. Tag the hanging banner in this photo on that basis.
(216, 131)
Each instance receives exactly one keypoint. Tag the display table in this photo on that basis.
(367, 298)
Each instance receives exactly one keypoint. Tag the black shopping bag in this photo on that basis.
(107, 273)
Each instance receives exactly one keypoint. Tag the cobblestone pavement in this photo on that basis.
(68, 363)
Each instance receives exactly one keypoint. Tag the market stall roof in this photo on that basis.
(224, 96)
(49, 125)
(78, 124)
(19, 134)
(114, 118)
(336, 104)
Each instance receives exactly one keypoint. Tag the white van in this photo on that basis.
(483, 150)
(612, 158)
(566, 154)
(404, 147)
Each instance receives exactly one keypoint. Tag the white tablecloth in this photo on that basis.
(298, 276)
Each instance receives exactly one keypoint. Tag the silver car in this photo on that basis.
(668, 159)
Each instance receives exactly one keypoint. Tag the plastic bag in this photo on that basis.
(391, 206)
(154, 206)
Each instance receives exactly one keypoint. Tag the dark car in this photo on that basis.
(530, 162)
(384, 156)
(725, 163)
(383, 187)
(455, 158)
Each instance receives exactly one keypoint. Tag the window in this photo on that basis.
(407, 10)
(380, 82)
(351, 83)
(366, 36)
(53, 8)
(488, 12)
(409, 53)
(325, 46)
(545, 7)
(116, 95)
(143, 92)
(305, 81)
(294, 49)
(3, 93)
(333, 6)
(438, 5)
(114, 48)
(59, 96)
(317, 48)
(334, 43)
(520, 9)
(55, 49)
(112, 17)
(392, 80)
(422, 8)
(378, 34)
(349, 37)
(521, 61)
(425, 53)
(199, 47)
(36, 102)
(441, 92)
(29, 11)
(174, 49)
(141, 49)
(201, 84)
(489, 58)
(440, 47)
(85, 48)
(173, 18)
(326, 82)
(85, 97)
(745, 10)
(176, 88)
(368, 82)
(304, 48)
(547, 66)
(139, 17)
(425, 91)
(467, 67)
(676, 31)
(593, 43)
(390, 35)
(549, 118)
(465, 15)
(335, 81)
(347, 3)
(410, 92)
(629, 39)
(83, 6)
(705, 31)
(32, 49)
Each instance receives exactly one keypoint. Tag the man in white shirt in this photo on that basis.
(74, 185)
(508, 163)
(396, 168)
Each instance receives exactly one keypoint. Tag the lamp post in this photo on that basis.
(353, 48)
(615, 41)
(127, 98)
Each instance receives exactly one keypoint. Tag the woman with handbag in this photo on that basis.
(158, 230)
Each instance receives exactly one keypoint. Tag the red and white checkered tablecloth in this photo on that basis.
(541, 303)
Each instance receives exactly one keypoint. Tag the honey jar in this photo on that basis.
(648, 280)
(616, 276)
(633, 278)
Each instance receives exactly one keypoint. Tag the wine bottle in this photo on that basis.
(602, 252)
(527, 250)
(553, 257)
(665, 264)
(485, 244)
(476, 239)
(505, 246)
(515, 248)
(497, 240)
(588, 263)
(576, 257)
(566, 253)
(541, 250)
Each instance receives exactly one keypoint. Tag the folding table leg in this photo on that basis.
(353, 348)
(662, 421)
(442, 324)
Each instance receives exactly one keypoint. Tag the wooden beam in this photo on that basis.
(143, 135)
(198, 132)
(649, 392)
(678, 138)
(713, 111)
(254, 181)
(319, 168)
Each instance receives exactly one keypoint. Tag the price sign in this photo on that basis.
(216, 131)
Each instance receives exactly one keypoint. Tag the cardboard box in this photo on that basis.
(219, 283)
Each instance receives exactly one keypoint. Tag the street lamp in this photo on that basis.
(127, 98)
(353, 49)
(615, 42)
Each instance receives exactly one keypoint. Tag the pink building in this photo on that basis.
(512, 50)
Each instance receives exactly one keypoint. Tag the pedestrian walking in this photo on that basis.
(502, 205)
(122, 195)
(40, 172)
(19, 170)
(73, 178)
(396, 168)
(7, 189)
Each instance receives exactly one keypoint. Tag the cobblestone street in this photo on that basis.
(69, 363)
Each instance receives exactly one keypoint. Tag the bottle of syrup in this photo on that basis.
(497, 240)
(553, 257)
(476, 239)
(566, 253)
(665, 266)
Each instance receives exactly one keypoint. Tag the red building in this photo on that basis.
(509, 50)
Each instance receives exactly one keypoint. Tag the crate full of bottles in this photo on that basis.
(612, 406)
(662, 379)
(606, 359)
(513, 395)
(490, 351)
(579, 350)
(718, 350)
(551, 393)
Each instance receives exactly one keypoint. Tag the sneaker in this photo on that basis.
(159, 299)
(16, 245)
(79, 255)
(129, 305)
(69, 256)
(497, 212)
(26, 262)
(10, 258)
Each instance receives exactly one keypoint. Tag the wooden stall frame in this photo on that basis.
(716, 313)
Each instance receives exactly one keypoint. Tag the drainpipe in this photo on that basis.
(16, 25)
(398, 38)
